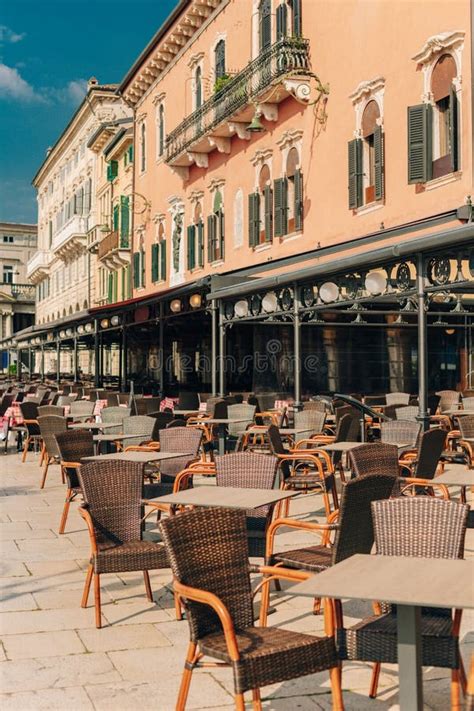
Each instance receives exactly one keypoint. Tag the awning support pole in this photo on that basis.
(58, 359)
(74, 360)
(161, 354)
(423, 415)
(214, 348)
(96, 356)
(221, 351)
(297, 347)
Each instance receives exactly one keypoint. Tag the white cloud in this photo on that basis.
(72, 93)
(9, 36)
(13, 86)
(77, 89)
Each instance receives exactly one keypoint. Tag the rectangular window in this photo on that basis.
(191, 247)
(280, 192)
(136, 270)
(155, 262)
(112, 170)
(420, 152)
(254, 219)
(124, 220)
(200, 243)
(7, 274)
(8, 239)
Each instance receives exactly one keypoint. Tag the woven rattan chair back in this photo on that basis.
(179, 439)
(63, 400)
(375, 400)
(162, 419)
(211, 405)
(73, 445)
(188, 401)
(466, 426)
(407, 412)
(140, 407)
(343, 427)
(5, 404)
(318, 405)
(113, 491)
(29, 410)
(51, 425)
(115, 414)
(397, 398)
(44, 410)
(342, 410)
(420, 526)
(375, 458)
(112, 400)
(276, 442)
(400, 432)
(355, 533)
(82, 408)
(239, 411)
(468, 403)
(207, 549)
(432, 443)
(139, 425)
(247, 470)
(312, 421)
(448, 399)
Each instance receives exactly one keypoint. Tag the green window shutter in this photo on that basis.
(211, 238)
(136, 269)
(112, 170)
(420, 157)
(282, 20)
(200, 245)
(299, 204)
(265, 20)
(355, 173)
(124, 220)
(130, 153)
(163, 260)
(254, 219)
(191, 247)
(154, 262)
(379, 163)
(142, 271)
(116, 215)
(297, 23)
(115, 285)
(268, 200)
(221, 220)
(280, 196)
(454, 129)
(110, 288)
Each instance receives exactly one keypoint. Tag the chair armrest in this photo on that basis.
(207, 598)
(140, 448)
(322, 528)
(315, 451)
(70, 465)
(84, 511)
(410, 482)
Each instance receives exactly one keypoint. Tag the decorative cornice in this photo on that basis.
(194, 59)
(141, 117)
(365, 88)
(159, 98)
(159, 217)
(290, 137)
(196, 195)
(437, 44)
(215, 184)
(261, 155)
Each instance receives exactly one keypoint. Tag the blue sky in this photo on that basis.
(48, 50)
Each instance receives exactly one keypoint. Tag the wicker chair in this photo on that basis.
(138, 425)
(315, 405)
(238, 411)
(250, 471)
(353, 530)
(162, 418)
(29, 412)
(468, 403)
(50, 425)
(177, 439)
(73, 445)
(188, 401)
(397, 398)
(63, 400)
(304, 469)
(82, 411)
(422, 527)
(112, 493)
(115, 414)
(448, 399)
(208, 554)
(374, 458)
(422, 466)
(312, 421)
(466, 428)
(400, 432)
(44, 410)
(407, 412)
(112, 400)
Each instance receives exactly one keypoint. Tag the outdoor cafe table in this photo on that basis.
(140, 457)
(224, 497)
(92, 425)
(348, 446)
(458, 413)
(409, 583)
(221, 427)
(187, 412)
(118, 437)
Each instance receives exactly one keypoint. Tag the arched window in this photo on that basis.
(369, 131)
(142, 147)
(266, 197)
(366, 159)
(196, 239)
(444, 114)
(265, 24)
(215, 229)
(296, 25)
(161, 130)
(198, 88)
(219, 59)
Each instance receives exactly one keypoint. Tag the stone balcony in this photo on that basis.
(38, 266)
(281, 71)
(114, 250)
(71, 240)
(22, 293)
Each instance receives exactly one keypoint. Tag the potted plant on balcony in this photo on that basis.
(221, 82)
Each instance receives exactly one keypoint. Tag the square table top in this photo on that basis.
(225, 497)
(221, 421)
(459, 413)
(430, 582)
(92, 425)
(141, 457)
(464, 477)
(348, 446)
(118, 436)
(187, 412)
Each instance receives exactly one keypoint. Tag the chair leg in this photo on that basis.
(177, 607)
(45, 471)
(316, 606)
(42, 453)
(374, 680)
(239, 702)
(335, 675)
(63, 478)
(257, 701)
(148, 589)
(186, 678)
(98, 616)
(67, 503)
(87, 586)
(25, 449)
(462, 675)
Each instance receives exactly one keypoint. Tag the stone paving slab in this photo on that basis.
(53, 657)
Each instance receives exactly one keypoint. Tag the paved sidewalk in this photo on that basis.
(52, 657)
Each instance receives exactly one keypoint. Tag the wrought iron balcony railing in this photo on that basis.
(288, 56)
